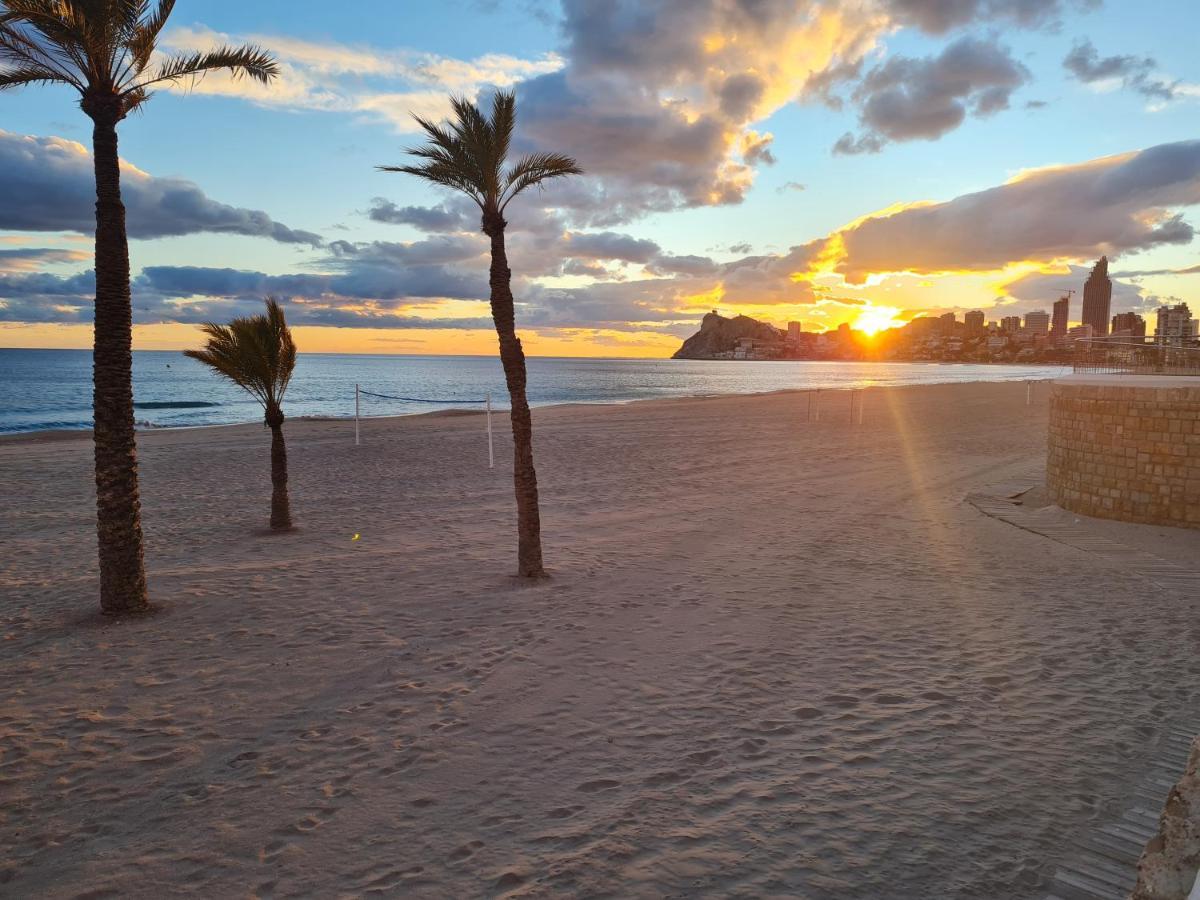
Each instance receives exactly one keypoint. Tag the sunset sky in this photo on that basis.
(862, 161)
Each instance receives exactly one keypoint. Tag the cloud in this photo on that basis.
(31, 259)
(906, 99)
(48, 184)
(1131, 72)
(658, 99)
(385, 85)
(940, 16)
(1112, 205)
(1051, 217)
(424, 218)
(610, 245)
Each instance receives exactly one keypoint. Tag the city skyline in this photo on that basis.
(819, 164)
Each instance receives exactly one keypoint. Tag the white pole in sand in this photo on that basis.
(491, 448)
(1029, 393)
(860, 406)
(814, 406)
(356, 438)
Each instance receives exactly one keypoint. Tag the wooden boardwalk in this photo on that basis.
(1102, 865)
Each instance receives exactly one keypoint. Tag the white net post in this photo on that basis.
(491, 447)
(357, 441)
(814, 406)
(861, 397)
(1029, 393)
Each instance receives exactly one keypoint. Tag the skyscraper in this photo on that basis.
(974, 320)
(1097, 298)
(1061, 319)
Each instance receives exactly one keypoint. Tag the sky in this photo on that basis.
(861, 161)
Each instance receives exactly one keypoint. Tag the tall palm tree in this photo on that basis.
(257, 353)
(469, 154)
(105, 50)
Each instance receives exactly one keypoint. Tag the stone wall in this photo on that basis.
(1126, 447)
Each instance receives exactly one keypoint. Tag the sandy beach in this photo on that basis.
(775, 659)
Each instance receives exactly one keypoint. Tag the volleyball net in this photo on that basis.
(485, 403)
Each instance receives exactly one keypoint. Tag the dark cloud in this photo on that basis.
(48, 184)
(940, 16)
(424, 218)
(1106, 206)
(1135, 73)
(658, 97)
(907, 99)
(610, 245)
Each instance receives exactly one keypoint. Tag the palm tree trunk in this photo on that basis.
(529, 528)
(281, 509)
(118, 509)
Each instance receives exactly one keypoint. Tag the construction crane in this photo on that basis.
(1070, 294)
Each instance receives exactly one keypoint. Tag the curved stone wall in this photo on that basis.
(1126, 447)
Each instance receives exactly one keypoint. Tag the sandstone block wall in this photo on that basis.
(1122, 451)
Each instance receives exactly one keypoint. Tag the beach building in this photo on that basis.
(974, 322)
(1176, 325)
(1037, 323)
(1080, 333)
(1128, 324)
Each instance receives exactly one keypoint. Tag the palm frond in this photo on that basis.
(256, 353)
(249, 61)
(468, 154)
(534, 169)
(18, 77)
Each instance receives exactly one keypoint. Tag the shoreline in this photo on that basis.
(67, 433)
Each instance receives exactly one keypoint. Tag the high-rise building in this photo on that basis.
(1037, 322)
(948, 322)
(1011, 324)
(1061, 319)
(1097, 298)
(795, 329)
(974, 320)
(1129, 324)
(1176, 325)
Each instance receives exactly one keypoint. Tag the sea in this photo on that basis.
(52, 389)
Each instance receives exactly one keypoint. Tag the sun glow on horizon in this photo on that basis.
(874, 319)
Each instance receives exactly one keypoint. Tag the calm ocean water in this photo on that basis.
(51, 389)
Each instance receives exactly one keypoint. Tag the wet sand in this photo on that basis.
(775, 659)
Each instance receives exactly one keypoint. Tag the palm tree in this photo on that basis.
(105, 50)
(468, 154)
(257, 354)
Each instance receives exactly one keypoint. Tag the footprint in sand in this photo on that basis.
(601, 784)
(466, 851)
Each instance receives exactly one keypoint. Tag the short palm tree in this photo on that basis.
(469, 154)
(105, 50)
(257, 354)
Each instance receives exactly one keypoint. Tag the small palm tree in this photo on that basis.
(469, 155)
(257, 354)
(104, 50)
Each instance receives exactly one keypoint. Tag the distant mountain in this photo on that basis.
(718, 334)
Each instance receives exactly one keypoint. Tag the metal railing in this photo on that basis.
(1126, 356)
